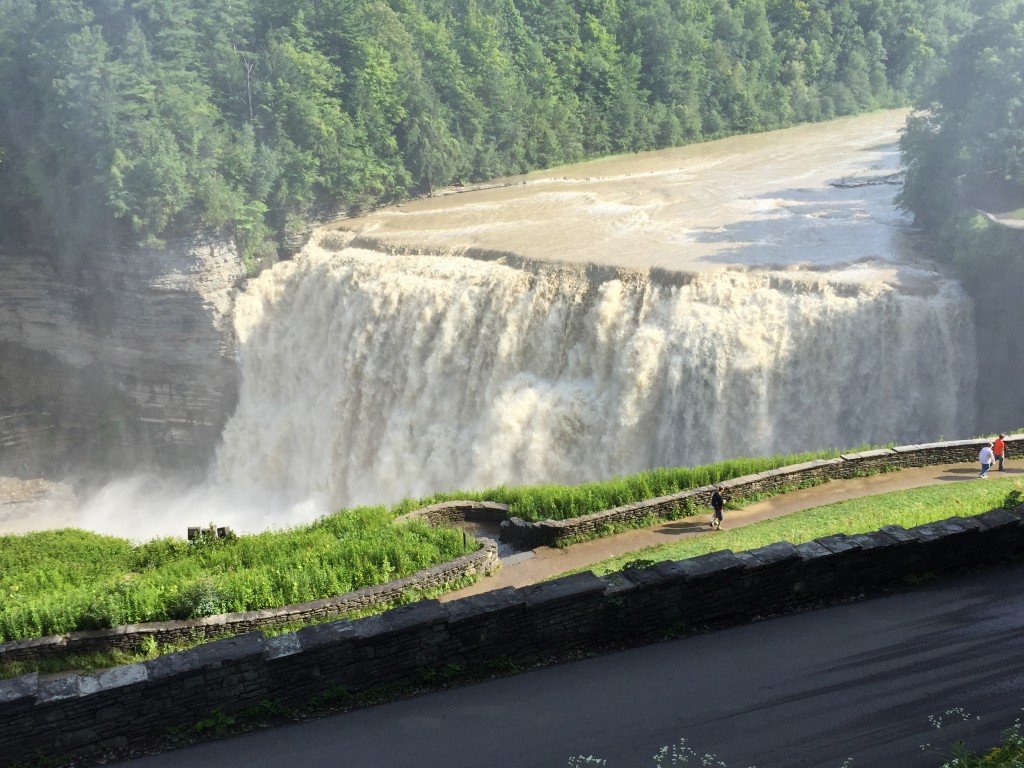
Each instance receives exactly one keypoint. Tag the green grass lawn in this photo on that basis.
(560, 502)
(906, 508)
(59, 581)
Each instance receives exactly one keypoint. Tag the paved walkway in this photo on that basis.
(545, 562)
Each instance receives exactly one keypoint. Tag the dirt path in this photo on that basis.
(544, 562)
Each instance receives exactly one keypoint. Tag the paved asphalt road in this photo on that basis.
(857, 680)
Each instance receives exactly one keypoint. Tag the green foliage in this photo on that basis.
(966, 146)
(144, 119)
(196, 599)
(869, 513)
(559, 502)
(60, 581)
(266, 709)
(1009, 754)
(217, 724)
(639, 562)
(964, 151)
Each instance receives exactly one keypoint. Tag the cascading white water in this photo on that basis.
(369, 377)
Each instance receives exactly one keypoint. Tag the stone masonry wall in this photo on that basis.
(448, 512)
(79, 713)
(553, 533)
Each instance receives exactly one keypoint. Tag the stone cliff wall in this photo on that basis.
(114, 708)
(123, 359)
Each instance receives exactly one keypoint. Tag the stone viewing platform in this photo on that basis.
(515, 533)
(131, 705)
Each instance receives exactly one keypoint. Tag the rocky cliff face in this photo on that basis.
(124, 360)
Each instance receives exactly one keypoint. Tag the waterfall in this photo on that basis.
(370, 376)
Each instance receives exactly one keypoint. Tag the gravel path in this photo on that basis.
(545, 562)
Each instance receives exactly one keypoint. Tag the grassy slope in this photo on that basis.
(61, 581)
(58, 581)
(906, 508)
(559, 502)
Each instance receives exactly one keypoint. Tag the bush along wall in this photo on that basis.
(133, 704)
(555, 533)
(130, 638)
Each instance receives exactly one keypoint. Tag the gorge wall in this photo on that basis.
(371, 376)
(123, 361)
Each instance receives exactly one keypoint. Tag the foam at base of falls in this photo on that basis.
(368, 378)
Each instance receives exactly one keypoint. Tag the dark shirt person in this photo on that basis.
(718, 505)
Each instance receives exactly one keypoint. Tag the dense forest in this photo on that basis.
(143, 118)
(965, 146)
(964, 151)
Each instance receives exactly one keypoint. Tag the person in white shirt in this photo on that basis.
(987, 458)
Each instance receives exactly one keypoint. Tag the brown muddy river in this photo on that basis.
(762, 201)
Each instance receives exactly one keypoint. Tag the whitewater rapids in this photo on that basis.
(369, 377)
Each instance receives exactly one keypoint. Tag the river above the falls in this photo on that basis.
(812, 201)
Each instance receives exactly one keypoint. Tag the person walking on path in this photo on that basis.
(718, 505)
(999, 449)
(986, 457)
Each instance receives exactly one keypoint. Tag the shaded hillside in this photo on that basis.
(145, 118)
(965, 156)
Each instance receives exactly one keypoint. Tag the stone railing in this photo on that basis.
(554, 533)
(120, 707)
(131, 637)
(449, 512)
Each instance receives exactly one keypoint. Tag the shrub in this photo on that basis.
(194, 600)
(102, 612)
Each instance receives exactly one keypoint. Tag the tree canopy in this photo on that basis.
(145, 118)
(965, 146)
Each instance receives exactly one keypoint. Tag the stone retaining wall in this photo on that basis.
(131, 637)
(553, 533)
(78, 713)
(449, 512)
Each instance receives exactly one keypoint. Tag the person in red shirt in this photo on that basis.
(999, 449)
